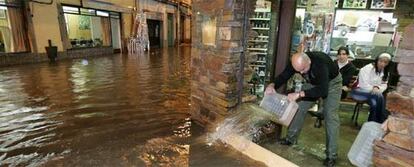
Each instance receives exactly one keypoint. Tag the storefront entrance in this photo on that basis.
(170, 29)
(154, 33)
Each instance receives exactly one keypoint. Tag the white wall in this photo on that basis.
(113, 5)
(71, 2)
(46, 25)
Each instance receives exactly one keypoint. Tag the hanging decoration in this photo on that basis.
(139, 41)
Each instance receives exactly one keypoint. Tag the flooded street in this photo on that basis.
(106, 111)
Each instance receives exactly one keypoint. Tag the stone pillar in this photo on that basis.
(287, 16)
(397, 146)
(216, 58)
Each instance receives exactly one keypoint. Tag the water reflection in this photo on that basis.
(23, 123)
(165, 152)
(168, 151)
(49, 111)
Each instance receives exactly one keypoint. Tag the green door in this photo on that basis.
(170, 29)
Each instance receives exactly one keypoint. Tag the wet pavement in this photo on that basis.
(115, 110)
(310, 150)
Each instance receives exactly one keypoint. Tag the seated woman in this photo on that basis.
(372, 82)
(346, 68)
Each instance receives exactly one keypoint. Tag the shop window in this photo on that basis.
(88, 31)
(68, 9)
(313, 26)
(13, 34)
(115, 15)
(367, 33)
(88, 27)
(14, 3)
(87, 11)
(116, 33)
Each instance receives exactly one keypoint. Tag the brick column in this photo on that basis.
(215, 67)
(397, 146)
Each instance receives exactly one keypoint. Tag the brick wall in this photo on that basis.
(397, 146)
(215, 69)
(9, 59)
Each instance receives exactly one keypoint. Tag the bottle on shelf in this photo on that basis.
(260, 22)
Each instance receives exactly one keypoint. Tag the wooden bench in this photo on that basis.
(357, 108)
(358, 103)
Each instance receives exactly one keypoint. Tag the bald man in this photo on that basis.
(324, 81)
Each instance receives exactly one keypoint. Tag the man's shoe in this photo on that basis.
(329, 162)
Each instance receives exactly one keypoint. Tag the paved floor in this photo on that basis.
(311, 144)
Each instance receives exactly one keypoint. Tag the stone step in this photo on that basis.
(255, 151)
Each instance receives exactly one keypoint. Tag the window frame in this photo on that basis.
(18, 4)
(111, 14)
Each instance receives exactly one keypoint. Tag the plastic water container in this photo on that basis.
(361, 151)
(279, 108)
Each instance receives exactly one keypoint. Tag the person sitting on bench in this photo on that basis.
(372, 82)
(346, 68)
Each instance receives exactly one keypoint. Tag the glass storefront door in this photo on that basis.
(116, 33)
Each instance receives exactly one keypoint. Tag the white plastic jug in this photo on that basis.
(361, 150)
(280, 108)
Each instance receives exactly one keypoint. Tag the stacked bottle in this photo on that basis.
(279, 108)
(361, 150)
